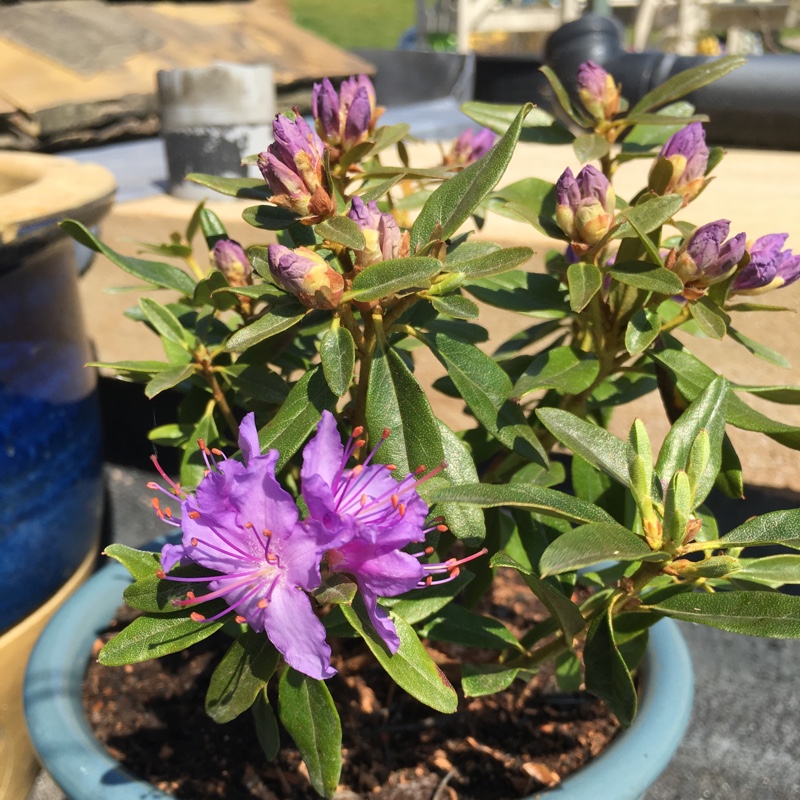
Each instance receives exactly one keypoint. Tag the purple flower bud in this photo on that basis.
(471, 146)
(705, 258)
(584, 206)
(306, 275)
(325, 108)
(348, 118)
(381, 233)
(231, 260)
(292, 166)
(769, 267)
(597, 91)
(687, 152)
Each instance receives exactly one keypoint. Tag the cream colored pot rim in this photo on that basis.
(50, 188)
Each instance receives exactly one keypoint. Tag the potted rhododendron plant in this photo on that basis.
(320, 499)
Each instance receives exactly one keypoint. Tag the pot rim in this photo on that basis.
(85, 770)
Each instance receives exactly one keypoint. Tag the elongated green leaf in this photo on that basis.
(584, 282)
(164, 321)
(768, 614)
(140, 563)
(527, 292)
(536, 196)
(494, 263)
(648, 216)
(478, 680)
(396, 401)
(125, 367)
(168, 378)
(773, 571)
(468, 251)
(756, 348)
(152, 637)
(458, 625)
(667, 121)
(266, 725)
(549, 502)
(575, 114)
(486, 388)
(298, 416)
(279, 319)
(650, 277)
(308, 712)
(453, 202)
(411, 667)
(539, 126)
(419, 604)
(607, 675)
(456, 306)
(642, 331)
(776, 527)
(590, 147)
(155, 272)
(156, 595)
(342, 230)
(375, 191)
(710, 318)
(599, 447)
(788, 395)
(243, 188)
(269, 218)
(386, 278)
(239, 677)
(212, 227)
(565, 369)
(590, 544)
(337, 352)
(686, 82)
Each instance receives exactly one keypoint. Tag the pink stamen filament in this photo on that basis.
(175, 487)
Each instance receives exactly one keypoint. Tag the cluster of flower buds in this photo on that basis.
(381, 234)
(706, 258)
(598, 92)
(306, 275)
(293, 168)
(584, 207)
(687, 154)
(469, 147)
(769, 267)
(230, 259)
(347, 117)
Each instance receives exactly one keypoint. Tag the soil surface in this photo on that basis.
(150, 716)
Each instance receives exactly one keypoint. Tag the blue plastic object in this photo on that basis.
(85, 770)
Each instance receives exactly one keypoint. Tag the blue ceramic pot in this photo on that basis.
(85, 770)
(50, 445)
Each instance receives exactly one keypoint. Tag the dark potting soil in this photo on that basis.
(150, 716)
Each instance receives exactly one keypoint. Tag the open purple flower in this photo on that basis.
(687, 152)
(769, 267)
(598, 92)
(470, 146)
(241, 524)
(381, 233)
(380, 514)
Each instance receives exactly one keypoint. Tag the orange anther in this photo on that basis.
(194, 514)
(195, 616)
(194, 542)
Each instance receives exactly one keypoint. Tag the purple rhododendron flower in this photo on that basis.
(705, 258)
(243, 525)
(305, 274)
(470, 146)
(346, 118)
(598, 92)
(584, 206)
(231, 260)
(770, 267)
(381, 233)
(686, 150)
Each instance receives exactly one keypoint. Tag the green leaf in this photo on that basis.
(599, 447)
(646, 135)
(710, 318)
(212, 227)
(607, 675)
(576, 115)
(756, 348)
(774, 571)
(154, 272)
(494, 263)
(243, 188)
(776, 527)
(168, 378)
(768, 614)
(788, 395)
(565, 369)
(549, 502)
(525, 292)
(478, 680)
(590, 544)
(584, 282)
(677, 508)
(569, 675)
(140, 563)
(454, 201)
(342, 230)
(411, 667)
(275, 321)
(369, 191)
(539, 126)
(707, 412)
(269, 218)
(337, 352)
(386, 278)
(266, 725)
(396, 401)
(456, 306)
(135, 367)
(165, 322)
(642, 331)
(648, 216)
(419, 604)
(485, 388)
(458, 625)
(686, 82)
(308, 712)
(156, 595)
(590, 147)
(533, 195)
(298, 416)
(154, 636)
(239, 677)
(650, 277)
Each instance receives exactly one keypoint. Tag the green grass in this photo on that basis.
(356, 23)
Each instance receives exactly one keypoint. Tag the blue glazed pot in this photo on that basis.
(50, 442)
(85, 770)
